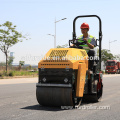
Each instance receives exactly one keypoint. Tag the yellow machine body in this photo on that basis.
(64, 58)
(68, 58)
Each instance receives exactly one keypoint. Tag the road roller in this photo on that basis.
(64, 75)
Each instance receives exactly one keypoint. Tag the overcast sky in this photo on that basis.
(37, 17)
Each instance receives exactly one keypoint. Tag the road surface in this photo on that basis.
(18, 102)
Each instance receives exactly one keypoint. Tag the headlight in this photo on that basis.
(113, 70)
(106, 70)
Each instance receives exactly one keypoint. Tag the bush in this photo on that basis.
(5, 73)
(11, 74)
(1, 74)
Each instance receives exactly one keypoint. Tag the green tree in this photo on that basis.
(21, 63)
(62, 46)
(105, 55)
(10, 60)
(9, 36)
(117, 57)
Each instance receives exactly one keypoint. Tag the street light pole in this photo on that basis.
(111, 42)
(55, 30)
(54, 38)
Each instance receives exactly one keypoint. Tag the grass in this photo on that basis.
(19, 73)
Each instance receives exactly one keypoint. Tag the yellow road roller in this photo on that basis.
(64, 75)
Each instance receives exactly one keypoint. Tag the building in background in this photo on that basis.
(11, 55)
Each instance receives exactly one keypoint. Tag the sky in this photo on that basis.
(36, 18)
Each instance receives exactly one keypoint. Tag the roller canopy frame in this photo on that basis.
(100, 33)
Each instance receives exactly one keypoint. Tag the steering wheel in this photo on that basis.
(77, 43)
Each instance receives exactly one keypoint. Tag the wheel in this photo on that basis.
(99, 91)
(94, 97)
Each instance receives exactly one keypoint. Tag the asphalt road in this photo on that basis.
(18, 102)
